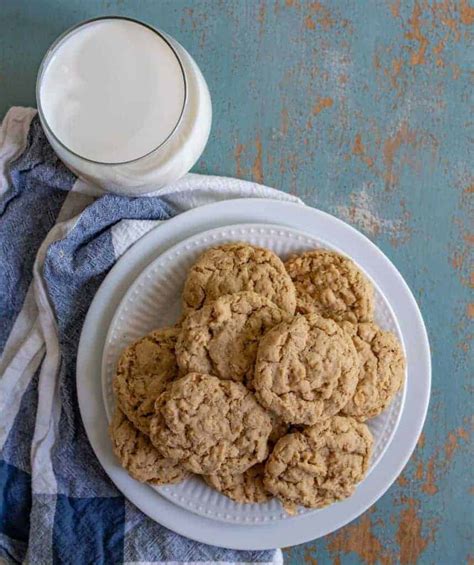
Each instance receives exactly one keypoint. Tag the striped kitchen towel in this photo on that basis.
(58, 239)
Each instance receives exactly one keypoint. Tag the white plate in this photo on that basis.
(306, 526)
(154, 300)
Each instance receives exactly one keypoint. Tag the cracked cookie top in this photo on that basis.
(139, 457)
(246, 487)
(221, 338)
(143, 371)
(237, 267)
(210, 425)
(306, 369)
(382, 371)
(332, 285)
(319, 465)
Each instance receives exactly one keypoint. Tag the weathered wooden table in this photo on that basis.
(363, 109)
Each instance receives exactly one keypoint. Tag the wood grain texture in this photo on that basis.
(363, 109)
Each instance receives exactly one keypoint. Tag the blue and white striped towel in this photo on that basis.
(58, 239)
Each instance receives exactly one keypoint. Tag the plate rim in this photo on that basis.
(171, 252)
(227, 212)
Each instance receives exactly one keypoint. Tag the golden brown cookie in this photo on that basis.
(320, 465)
(306, 369)
(330, 284)
(382, 370)
(144, 369)
(210, 425)
(237, 267)
(139, 457)
(244, 487)
(221, 338)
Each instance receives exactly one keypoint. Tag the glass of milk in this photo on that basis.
(123, 105)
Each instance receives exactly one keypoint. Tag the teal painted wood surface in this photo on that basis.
(365, 110)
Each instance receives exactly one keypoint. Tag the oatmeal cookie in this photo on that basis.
(139, 457)
(210, 425)
(244, 487)
(306, 369)
(221, 338)
(320, 465)
(144, 369)
(237, 267)
(382, 370)
(331, 284)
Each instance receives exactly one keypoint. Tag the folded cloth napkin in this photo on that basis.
(58, 239)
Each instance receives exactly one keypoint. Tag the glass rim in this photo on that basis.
(46, 59)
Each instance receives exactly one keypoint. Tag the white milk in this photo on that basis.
(124, 106)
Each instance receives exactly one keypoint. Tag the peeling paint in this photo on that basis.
(376, 61)
(415, 34)
(397, 65)
(422, 441)
(403, 481)
(239, 150)
(198, 20)
(457, 260)
(419, 471)
(466, 13)
(403, 136)
(322, 14)
(410, 538)
(439, 463)
(257, 169)
(460, 251)
(452, 443)
(429, 486)
(261, 16)
(309, 559)
(359, 150)
(284, 120)
(309, 22)
(428, 34)
(391, 146)
(395, 8)
(321, 104)
(359, 538)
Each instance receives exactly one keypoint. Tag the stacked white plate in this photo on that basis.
(143, 291)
